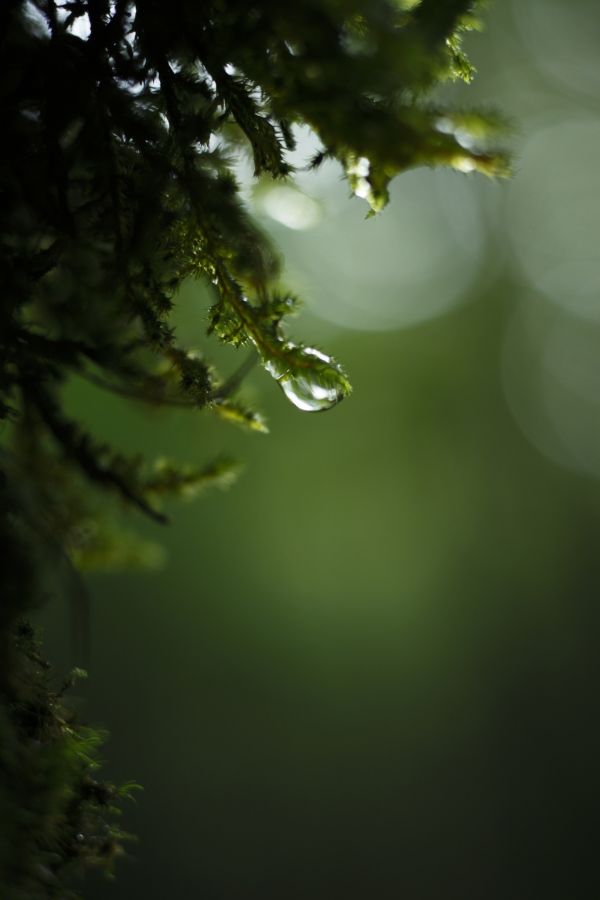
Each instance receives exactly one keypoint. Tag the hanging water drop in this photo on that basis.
(311, 380)
(307, 396)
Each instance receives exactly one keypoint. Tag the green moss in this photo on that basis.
(58, 819)
(117, 184)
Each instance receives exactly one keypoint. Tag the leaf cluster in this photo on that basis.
(122, 127)
(122, 124)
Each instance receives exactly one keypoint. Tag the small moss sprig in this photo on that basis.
(58, 818)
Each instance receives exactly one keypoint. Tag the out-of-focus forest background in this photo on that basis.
(370, 669)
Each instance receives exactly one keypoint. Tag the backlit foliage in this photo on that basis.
(122, 125)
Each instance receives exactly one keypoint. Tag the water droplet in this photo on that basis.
(360, 166)
(362, 188)
(463, 163)
(309, 389)
(307, 396)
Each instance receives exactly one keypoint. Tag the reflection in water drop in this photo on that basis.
(309, 389)
(308, 396)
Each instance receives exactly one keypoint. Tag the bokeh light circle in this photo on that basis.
(553, 215)
(551, 377)
(414, 261)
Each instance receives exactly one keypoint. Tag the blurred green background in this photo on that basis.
(370, 668)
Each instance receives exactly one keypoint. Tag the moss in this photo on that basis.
(117, 184)
(58, 818)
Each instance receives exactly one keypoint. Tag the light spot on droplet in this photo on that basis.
(362, 188)
(444, 125)
(465, 139)
(81, 27)
(360, 167)
(463, 164)
(312, 351)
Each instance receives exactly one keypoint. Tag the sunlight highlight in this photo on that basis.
(291, 208)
